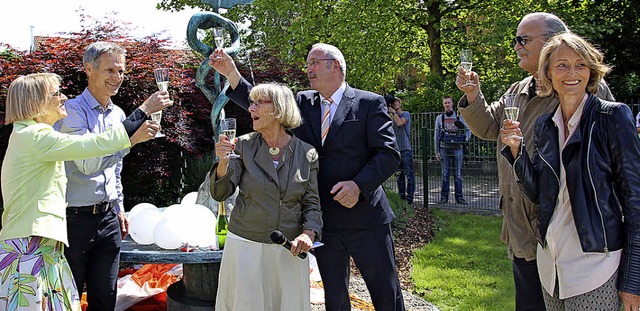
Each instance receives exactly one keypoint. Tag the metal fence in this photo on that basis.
(479, 169)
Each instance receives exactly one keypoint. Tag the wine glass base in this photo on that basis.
(469, 84)
(159, 135)
(233, 156)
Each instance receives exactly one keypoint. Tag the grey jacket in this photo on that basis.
(283, 198)
(520, 220)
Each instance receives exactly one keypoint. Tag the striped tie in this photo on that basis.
(326, 117)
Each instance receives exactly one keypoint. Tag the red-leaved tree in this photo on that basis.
(153, 170)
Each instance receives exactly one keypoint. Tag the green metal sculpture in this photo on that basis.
(216, 95)
(207, 21)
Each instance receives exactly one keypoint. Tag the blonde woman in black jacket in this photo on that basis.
(585, 175)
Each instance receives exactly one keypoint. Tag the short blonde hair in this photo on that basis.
(28, 95)
(588, 52)
(284, 103)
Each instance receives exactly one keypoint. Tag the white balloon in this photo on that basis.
(141, 226)
(136, 209)
(175, 210)
(169, 233)
(189, 198)
(202, 221)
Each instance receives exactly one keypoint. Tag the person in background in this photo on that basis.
(485, 120)
(35, 273)
(585, 176)
(357, 154)
(277, 175)
(402, 126)
(450, 135)
(95, 215)
(638, 123)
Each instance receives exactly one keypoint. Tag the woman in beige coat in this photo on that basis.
(277, 177)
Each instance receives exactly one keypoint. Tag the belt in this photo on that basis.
(91, 209)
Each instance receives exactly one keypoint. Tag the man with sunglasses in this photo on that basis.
(520, 221)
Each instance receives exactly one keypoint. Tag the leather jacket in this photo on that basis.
(602, 164)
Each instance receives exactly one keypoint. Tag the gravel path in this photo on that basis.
(359, 289)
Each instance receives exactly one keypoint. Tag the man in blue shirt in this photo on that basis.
(402, 127)
(95, 214)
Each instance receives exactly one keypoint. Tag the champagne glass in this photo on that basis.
(162, 79)
(229, 129)
(466, 62)
(219, 36)
(511, 111)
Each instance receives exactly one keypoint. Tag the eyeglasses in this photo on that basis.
(259, 102)
(523, 40)
(315, 61)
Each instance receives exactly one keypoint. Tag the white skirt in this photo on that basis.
(261, 277)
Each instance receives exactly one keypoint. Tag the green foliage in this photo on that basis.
(428, 98)
(198, 167)
(466, 266)
(400, 46)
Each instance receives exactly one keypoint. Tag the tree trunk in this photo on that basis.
(432, 28)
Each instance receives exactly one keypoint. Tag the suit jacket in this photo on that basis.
(360, 146)
(283, 198)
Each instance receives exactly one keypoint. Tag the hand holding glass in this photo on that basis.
(511, 111)
(466, 62)
(229, 129)
(162, 79)
(219, 36)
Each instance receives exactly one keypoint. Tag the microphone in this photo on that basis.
(279, 238)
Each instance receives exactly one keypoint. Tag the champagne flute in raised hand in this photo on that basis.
(229, 129)
(219, 34)
(466, 62)
(162, 79)
(511, 111)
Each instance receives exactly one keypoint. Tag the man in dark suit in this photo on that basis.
(357, 154)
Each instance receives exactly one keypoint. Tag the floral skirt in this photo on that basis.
(35, 275)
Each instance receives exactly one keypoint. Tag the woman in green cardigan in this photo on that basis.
(34, 273)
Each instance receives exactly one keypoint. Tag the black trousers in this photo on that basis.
(528, 288)
(94, 256)
(372, 251)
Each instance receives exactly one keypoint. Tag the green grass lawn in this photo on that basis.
(465, 267)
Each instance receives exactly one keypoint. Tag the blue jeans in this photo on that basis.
(451, 159)
(406, 169)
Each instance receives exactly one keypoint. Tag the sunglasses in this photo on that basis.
(523, 40)
(315, 61)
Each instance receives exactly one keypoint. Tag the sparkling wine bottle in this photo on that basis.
(221, 225)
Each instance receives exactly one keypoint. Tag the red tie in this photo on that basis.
(326, 117)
